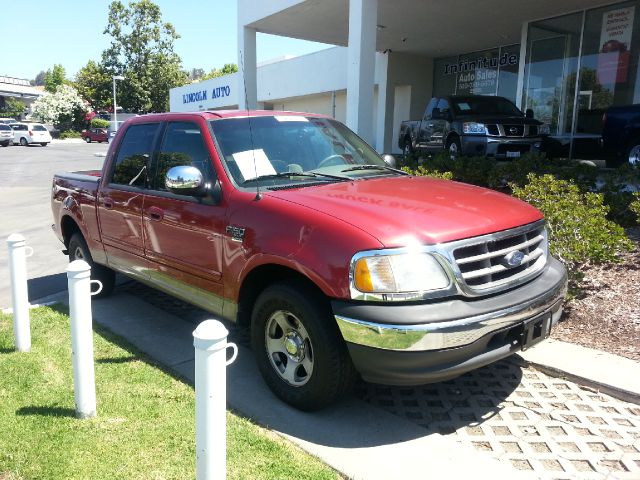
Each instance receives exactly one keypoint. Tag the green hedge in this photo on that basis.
(69, 134)
(99, 123)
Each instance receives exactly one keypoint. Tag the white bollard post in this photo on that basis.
(78, 275)
(210, 342)
(18, 253)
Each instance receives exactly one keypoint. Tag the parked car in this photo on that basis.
(473, 125)
(7, 121)
(95, 135)
(6, 135)
(112, 130)
(290, 224)
(621, 135)
(28, 133)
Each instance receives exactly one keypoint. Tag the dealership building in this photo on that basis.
(567, 60)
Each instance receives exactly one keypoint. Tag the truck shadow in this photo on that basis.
(399, 414)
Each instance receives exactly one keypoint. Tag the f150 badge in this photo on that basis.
(237, 233)
(513, 259)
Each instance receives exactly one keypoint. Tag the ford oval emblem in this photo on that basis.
(514, 259)
(513, 130)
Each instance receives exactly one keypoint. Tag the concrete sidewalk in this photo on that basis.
(354, 437)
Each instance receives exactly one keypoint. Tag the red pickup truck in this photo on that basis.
(339, 264)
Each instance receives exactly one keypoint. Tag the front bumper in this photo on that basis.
(499, 147)
(430, 342)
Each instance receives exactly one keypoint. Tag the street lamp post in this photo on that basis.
(115, 108)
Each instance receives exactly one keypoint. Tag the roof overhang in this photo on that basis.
(422, 27)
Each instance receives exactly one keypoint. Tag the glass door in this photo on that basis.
(550, 74)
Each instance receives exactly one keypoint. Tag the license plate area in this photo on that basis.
(535, 330)
(513, 154)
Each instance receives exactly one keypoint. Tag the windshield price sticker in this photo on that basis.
(290, 118)
(253, 163)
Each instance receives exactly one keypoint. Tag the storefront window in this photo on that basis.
(550, 74)
(444, 81)
(488, 72)
(609, 63)
(508, 73)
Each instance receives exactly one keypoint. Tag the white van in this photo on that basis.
(27, 133)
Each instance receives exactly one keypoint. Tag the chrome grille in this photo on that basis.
(513, 130)
(483, 262)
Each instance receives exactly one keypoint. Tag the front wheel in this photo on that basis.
(633, 154)
(87, 139)
(78, 250)
(298, 348)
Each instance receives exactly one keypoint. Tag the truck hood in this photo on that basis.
(402, 210)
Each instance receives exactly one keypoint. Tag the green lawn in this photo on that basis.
(145, 423)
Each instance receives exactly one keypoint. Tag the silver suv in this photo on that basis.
(6, 135)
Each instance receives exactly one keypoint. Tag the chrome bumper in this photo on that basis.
(438, 335)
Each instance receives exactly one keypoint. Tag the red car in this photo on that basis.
(95, 135)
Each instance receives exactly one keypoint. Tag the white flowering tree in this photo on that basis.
(63, 108)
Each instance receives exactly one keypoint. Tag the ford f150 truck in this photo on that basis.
(473, 125)
(290, 224)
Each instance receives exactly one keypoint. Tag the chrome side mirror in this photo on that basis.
(185, 180)
(390, 160)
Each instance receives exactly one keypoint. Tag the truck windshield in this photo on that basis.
(277, 147)
(485, 106)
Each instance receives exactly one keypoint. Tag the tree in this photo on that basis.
(142, 51)
(93, 83)
(226, 69)
(64, 108)
(54, 78)
(39, 80)
(13, 108)
(195, 74)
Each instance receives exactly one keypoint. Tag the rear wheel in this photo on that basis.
(453, 147)
(298, 347)
(44, 144)
(78, 250)
(408, 148)
(23, 142)
(5, 144)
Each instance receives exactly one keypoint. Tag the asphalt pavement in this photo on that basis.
(25, 196)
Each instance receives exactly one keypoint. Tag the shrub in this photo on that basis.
(99, 123)
(69, 134)
(579, 232)
(635, 206)
(422, 171)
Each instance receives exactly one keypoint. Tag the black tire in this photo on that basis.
(78, 250)
(633, 152)
(87, 139)
(44, 144)
(5, 144)
(23, 142)
(453, 147)
(407, 149)
(322, 371)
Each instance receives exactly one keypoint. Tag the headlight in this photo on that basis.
(401, 276)
(544, 129)
(473, 127)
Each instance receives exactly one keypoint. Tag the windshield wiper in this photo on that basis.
(295, 174)
(373, 167)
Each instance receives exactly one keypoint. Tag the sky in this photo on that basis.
(69, 32)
